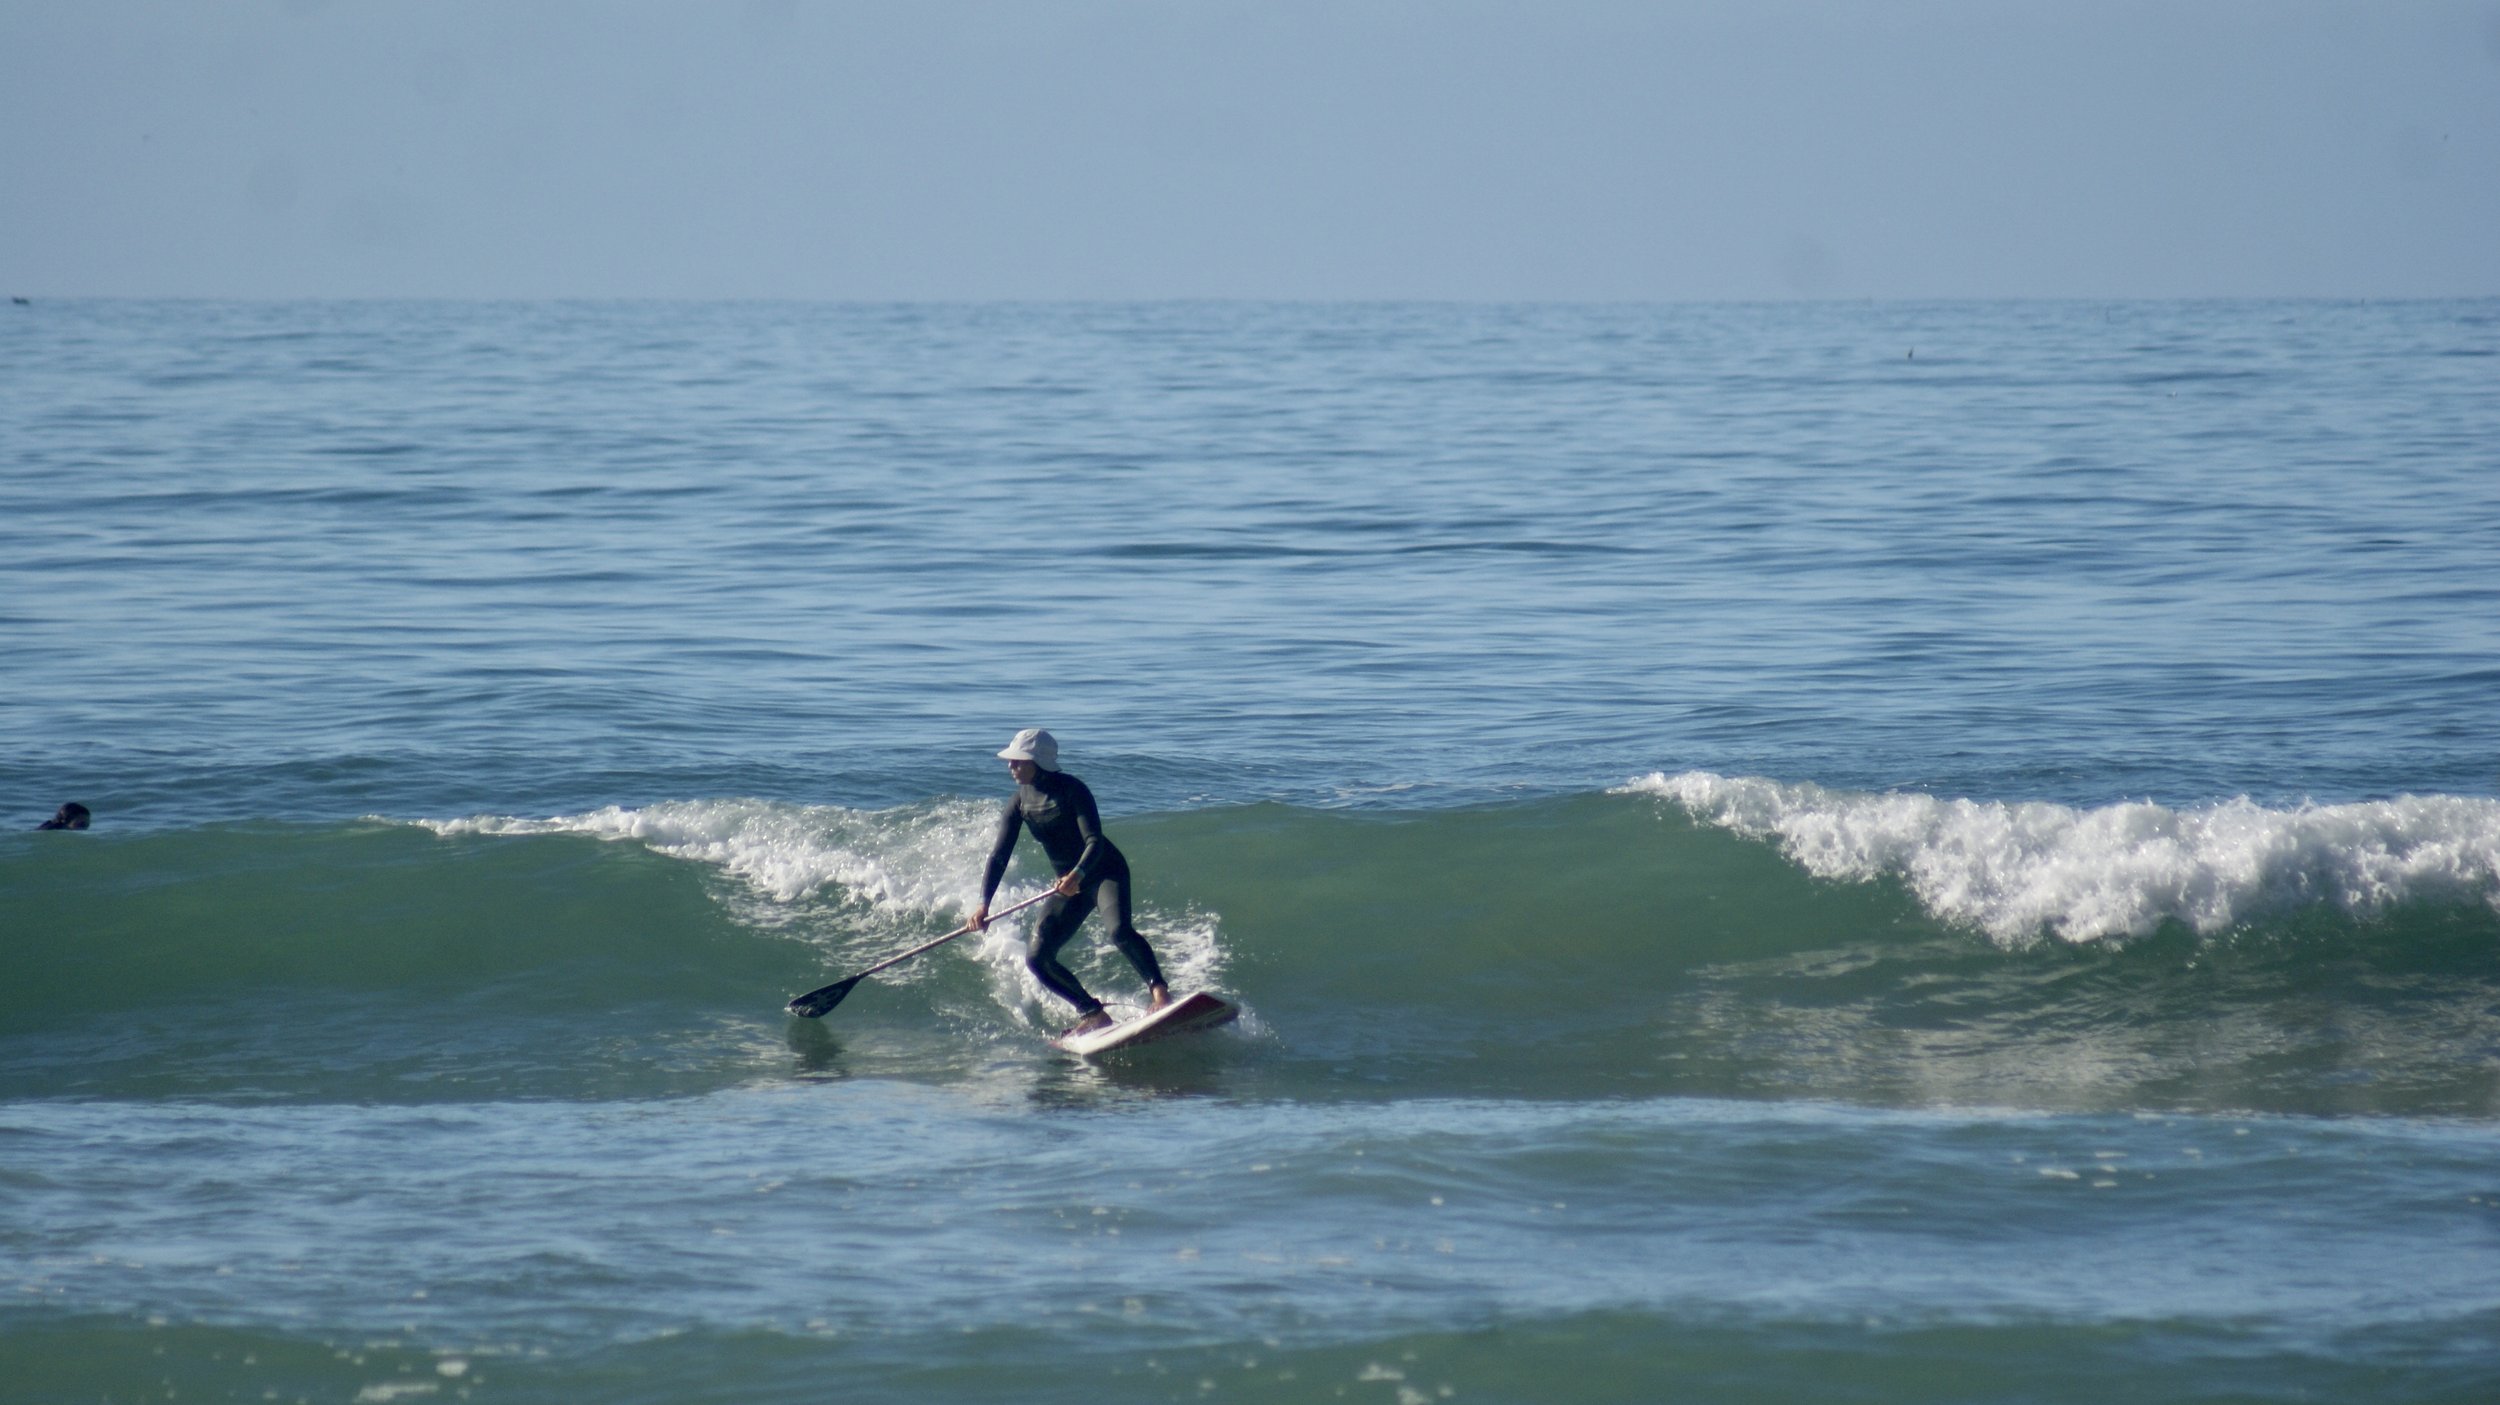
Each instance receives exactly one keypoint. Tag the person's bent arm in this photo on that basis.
(1088, 825)
(1010, 825)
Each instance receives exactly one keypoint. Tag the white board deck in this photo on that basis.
(1196, 1010)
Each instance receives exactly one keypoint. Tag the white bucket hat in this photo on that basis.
(1034, 745)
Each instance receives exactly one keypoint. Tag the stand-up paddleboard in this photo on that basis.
(1197, 1010)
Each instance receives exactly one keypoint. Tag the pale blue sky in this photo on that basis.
(1576, 149)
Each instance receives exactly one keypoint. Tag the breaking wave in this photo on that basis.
(2016, 870)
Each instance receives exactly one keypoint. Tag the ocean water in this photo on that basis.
(1896, 853)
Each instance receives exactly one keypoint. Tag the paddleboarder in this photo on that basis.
(1093, 875)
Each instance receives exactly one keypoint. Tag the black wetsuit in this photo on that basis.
(1060, 811)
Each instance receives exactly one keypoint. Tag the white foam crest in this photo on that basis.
(2017, 870)
(912, 863)
(916, 861)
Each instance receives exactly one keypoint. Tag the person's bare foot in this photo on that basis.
(1158, 996)
(1100, 1019)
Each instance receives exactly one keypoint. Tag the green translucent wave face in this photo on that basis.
(374, 961)
(1597, 946)
(354, 913)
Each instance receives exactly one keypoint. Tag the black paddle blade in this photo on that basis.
(821, 999)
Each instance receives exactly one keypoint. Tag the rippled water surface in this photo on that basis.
(285, 559)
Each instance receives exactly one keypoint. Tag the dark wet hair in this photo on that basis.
(71, 816)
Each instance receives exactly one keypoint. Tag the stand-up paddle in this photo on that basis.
(814, 1004)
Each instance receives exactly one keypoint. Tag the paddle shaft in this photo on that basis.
(816, 1002)
(935, 943)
